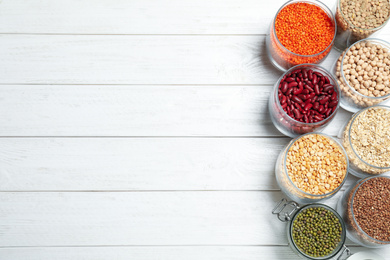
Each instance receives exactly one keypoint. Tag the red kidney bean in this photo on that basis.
(292, 84)
(315, 79)
(334, 96)
(316, 105)
(328, 112)
(304, 74)
(301, 96)
(321, 83)
(317, 90)
(310, 76)
(324, 100)
(333, 103)
(284, 99)
(327, 87)
(288, 109)
(284, 87)
(308, 106)
(296, 99)
(297, 113)
(318, 118)
(297, 106)
(312, 95)
(298, 91)
(307, 101)
(288, 101)
(306, 91)
(306, 118)
(289, 91)
(284, 105)
(290, 79)
(307, 87)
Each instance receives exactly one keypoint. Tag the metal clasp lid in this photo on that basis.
(285, 209)
(345, 251)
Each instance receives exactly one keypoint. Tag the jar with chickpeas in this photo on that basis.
(311, 167)
(363, 73)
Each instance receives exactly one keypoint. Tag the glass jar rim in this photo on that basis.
(292, 142)
(334, 212)
(382, 42)
(356, 115)
(359, 28)
(356, 187)
(323, 71)
(324, 8)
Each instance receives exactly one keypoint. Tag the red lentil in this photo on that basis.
(304, 28)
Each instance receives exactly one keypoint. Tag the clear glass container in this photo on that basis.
(347, 33)
(288, 211)
(351, 99)
(345, 208)
(281, 57)
(288, 186)
(358, 166)
(286, 124)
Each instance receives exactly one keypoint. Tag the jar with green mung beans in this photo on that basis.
(314, 231)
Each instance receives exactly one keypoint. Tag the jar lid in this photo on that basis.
(365, 255)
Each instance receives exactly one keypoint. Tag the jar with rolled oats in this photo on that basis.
(366, 139)
(311, 167)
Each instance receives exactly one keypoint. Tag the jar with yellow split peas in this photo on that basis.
(311, 167)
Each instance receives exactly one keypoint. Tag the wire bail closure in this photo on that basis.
(285, 209)
(345, 251)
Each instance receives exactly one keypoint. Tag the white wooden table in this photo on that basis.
(138, 129)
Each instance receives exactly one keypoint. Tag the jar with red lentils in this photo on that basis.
(301, 32)
(311, 167)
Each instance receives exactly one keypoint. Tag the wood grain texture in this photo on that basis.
(137, 17)
(140, 17)
(133, 164)
(140, 111)
(124, 59)
(141, 218)
(160, 253)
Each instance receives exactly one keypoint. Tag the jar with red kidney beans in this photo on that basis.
(304, 99)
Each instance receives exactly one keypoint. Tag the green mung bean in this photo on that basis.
(316, 231)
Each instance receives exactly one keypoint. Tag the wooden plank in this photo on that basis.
(80, 164)
(140, 17)
(140, 218)
(123, 59)
(162, 253)
(140, 111)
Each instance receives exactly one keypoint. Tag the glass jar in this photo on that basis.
(290, 211)
(307, 174)
(351, 99)
(364, 196)
(347, 32)
(284, 122)
(281, 57)
(366, 139)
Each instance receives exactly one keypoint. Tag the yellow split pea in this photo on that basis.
(316, 164)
